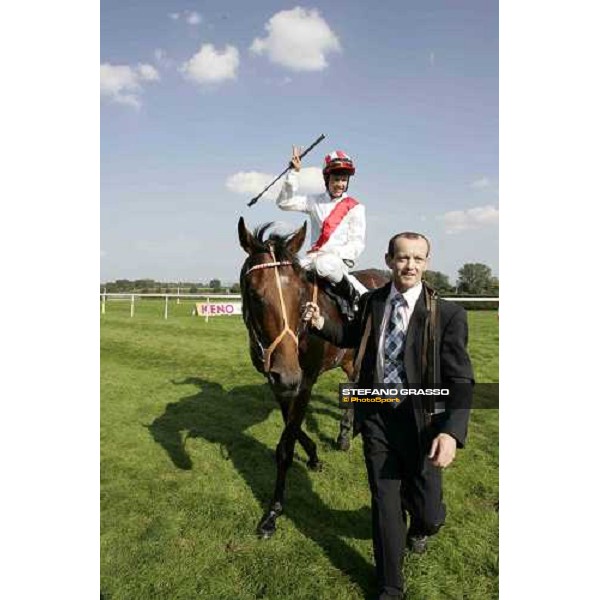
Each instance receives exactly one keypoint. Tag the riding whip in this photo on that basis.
(317, 141)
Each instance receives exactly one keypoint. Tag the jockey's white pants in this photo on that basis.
(331, 267)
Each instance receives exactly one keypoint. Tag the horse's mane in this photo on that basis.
(278, 244)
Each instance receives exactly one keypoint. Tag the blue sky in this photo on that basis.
(201, 102)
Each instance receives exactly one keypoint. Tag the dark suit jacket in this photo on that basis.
(453, 360)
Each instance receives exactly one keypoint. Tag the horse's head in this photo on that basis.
(273, 290)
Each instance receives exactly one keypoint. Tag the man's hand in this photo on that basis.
(295, 163)
(312, 314)
(443, 450)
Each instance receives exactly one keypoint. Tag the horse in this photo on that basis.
(274, 288)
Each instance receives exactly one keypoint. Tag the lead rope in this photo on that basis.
(429, 352)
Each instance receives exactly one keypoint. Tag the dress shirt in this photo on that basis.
(410, 297)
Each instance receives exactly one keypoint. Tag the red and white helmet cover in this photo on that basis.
(338, 162)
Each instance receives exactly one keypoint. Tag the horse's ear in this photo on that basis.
(246, 237)
(296, 240)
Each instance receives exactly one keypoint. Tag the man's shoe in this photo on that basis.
(417, 543)
(386, 596)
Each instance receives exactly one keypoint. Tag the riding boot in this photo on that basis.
(350, 296)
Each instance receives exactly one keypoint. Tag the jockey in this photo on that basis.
(337, 222)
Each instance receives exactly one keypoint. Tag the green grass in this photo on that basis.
(188, 431)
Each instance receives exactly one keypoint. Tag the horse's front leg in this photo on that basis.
(293, 414)
(301, 403)
(284, 454)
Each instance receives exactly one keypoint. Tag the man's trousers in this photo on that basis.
(400, 481)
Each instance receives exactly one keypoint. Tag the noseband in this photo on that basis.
(267, 352)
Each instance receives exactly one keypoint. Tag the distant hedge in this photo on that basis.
(492, 305)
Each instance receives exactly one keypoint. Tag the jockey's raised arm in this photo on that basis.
(288, 198)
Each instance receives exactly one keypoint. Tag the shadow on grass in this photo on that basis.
(223, 417)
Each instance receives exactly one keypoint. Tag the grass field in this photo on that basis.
(188, 431)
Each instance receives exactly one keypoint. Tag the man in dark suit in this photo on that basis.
(407, 338)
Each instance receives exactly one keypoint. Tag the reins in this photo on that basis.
(266, 353)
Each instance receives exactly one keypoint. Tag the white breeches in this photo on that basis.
(327, 265)
(331, 267)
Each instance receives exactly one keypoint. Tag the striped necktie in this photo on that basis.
(393, 365)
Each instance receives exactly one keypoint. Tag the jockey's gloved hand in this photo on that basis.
(312, 315)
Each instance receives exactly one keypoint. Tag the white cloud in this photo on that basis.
(122, 83)
(480, 184)
(209, 65)
(472, 218)
(193, 18)
(148, 73)
(251, 183)
(299, 39)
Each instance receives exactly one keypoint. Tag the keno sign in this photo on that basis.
(213, 309)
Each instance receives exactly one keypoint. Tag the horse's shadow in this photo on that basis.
(224, 417)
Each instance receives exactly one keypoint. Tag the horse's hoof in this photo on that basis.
(263, 533)
(266, 526)
(315, 465)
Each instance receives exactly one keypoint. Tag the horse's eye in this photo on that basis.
(257, 298)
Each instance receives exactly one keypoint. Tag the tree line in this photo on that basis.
(474, 279)
(150, 286)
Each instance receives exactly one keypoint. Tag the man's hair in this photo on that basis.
(410, 235)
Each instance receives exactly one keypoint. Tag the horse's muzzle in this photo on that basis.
(285, 384)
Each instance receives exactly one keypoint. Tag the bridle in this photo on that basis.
(267, 352)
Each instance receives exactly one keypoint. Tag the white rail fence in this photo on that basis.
(131, 298)
(235, 300)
